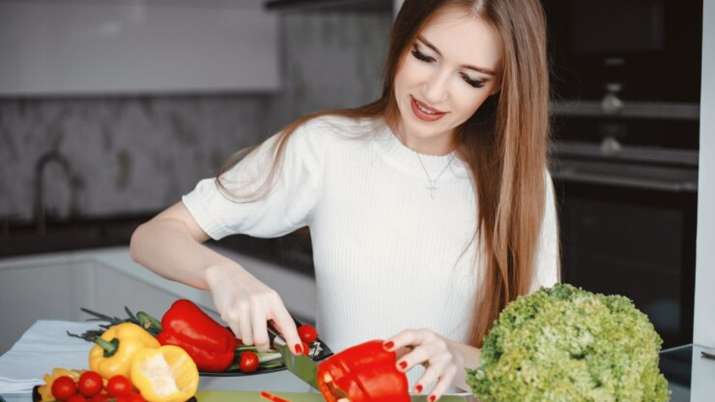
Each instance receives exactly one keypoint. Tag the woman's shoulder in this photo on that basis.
(326, 134)
(339, 126)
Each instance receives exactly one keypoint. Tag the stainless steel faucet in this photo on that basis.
(74, 181)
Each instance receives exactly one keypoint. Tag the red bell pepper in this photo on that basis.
(361, 373)
(210, 344)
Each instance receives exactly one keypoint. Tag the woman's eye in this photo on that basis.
(421, 56)
(428, 59)
(474, 83)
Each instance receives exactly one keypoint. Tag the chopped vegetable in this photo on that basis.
(165, 374)
(361, 373)
(273, 398)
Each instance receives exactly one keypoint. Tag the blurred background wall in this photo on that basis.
(132, 154)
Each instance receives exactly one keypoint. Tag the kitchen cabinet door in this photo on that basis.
(65, 47)
(40, 290)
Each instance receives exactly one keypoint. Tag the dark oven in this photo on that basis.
(628, 218)
(626, 86)
(639, 50)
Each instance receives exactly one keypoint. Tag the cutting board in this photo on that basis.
(253, 396)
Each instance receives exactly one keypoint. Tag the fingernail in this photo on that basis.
(389, 345)
(432, 398)
(298, 348)
(403, 364)
(418, 387)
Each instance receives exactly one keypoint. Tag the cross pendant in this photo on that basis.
(432, 187)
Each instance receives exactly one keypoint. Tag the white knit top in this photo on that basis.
(388, 255)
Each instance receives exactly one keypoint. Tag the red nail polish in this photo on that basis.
(403, 365)
(418, 387)
(389, 345)
(432, 398)
(298, 348)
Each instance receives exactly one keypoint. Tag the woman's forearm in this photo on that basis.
(468, 357)
(166, 247)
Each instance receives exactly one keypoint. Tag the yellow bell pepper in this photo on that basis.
(165, 374)
(115, 349)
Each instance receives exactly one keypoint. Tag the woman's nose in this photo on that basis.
(435, 90)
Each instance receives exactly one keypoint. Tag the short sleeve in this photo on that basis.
(286, 207)
(548, 266)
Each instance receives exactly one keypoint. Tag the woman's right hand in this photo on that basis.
(247, 304)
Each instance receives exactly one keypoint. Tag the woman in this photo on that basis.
(429, 209)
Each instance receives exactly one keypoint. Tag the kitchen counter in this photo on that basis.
(45, 345)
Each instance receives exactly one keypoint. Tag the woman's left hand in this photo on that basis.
(426, 347)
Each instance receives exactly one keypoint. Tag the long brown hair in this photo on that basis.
(504, 143)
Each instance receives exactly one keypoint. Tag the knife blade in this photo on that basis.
(304, 366)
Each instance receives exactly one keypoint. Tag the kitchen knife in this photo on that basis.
(304, 367)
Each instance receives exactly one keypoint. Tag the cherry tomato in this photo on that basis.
(132, 397)
(307, 333)
(76, 398)
(63, 387)
(249, 362)
(119, 385)
(90, 383)
(100, 397)
(136, 397)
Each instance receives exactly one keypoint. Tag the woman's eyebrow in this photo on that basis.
(475, 68)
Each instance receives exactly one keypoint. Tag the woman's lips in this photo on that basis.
(422, 115)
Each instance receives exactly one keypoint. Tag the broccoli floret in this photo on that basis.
(567, 344)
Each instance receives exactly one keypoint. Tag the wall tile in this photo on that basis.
(139, 154)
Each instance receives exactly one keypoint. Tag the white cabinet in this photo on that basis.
(105, 46)
(39, 290)
(56, 286)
